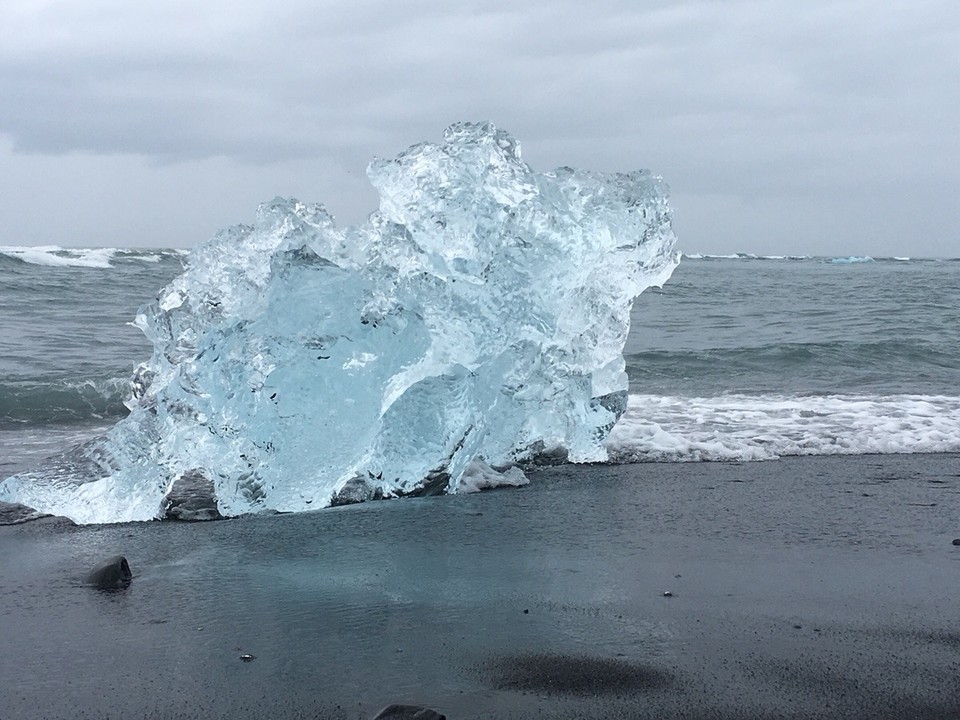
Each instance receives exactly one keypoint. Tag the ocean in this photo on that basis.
(736, 358)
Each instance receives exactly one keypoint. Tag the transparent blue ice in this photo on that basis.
(477, 319)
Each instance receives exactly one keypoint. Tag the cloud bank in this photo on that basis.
(822, 127)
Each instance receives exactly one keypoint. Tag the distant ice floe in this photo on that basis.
(842, 260)
(744, 256)
(747, 427)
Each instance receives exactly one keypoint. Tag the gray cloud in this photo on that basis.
(765, 117)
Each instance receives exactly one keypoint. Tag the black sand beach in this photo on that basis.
(818, 587)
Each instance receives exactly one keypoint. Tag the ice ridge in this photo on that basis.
(474, 321)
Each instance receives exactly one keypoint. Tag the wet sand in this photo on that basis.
(805, 588)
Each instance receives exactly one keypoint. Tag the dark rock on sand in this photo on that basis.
(15, 514)
(577, 675)
(111, 574)
(408, 712)
(956, 541)
(192, 498)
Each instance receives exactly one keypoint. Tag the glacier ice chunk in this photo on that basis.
(475, 320)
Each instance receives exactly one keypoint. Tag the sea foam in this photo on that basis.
(766, 427)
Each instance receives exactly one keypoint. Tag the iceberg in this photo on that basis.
(474, 322)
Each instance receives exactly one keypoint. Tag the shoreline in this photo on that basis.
(15, 513)
(806, 587)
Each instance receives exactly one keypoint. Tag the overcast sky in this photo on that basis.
(818, 127)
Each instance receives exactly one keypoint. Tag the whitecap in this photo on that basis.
(56, 256)
(152, 255)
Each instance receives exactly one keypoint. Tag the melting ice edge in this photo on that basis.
(475, 321)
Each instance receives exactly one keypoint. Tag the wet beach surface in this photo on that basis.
(808, 587)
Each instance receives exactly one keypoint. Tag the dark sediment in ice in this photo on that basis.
(192, 498)
(356, 490)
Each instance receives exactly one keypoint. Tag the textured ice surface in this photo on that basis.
(478, 316)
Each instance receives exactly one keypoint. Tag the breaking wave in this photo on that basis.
(45, 402)
(94, 258)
